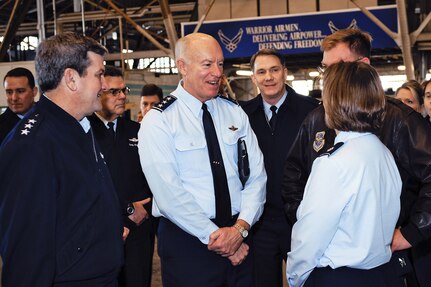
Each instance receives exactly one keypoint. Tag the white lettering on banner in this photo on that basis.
(307, 44)
(276, 45)
(258, 30)
(284, 37)
(270, 38)
(287, 27)
(306, 35)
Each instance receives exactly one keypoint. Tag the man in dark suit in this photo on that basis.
(60, 220)
(20, 93)
(275, 116)
(118, 139)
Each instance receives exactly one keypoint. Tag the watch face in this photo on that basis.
(130, 209)
(245, 233)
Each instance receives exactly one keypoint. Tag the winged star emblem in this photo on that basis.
(230, 44)
(353, 25)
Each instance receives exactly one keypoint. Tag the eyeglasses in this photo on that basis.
(116, 92)
(322, 67)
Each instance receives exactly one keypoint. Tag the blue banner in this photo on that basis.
(294, 34)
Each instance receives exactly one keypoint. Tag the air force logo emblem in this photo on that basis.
(230, 44)
(319, 141)
(353, 25)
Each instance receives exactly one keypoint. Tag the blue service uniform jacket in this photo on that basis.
(123, 162)
(60, 220)
(275, 145)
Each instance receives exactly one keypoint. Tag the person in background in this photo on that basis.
(411, 94)
(426, 87)
(275, 116)
(151, 94)
(348, 244)
(405, 134)
(188, 146)
(117, 137)
(20, 92)
(139, 116)
(60, 219)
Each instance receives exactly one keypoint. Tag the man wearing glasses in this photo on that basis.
(117, 138)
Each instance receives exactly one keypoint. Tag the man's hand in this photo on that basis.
(399, 242)
(140, 213)
(126, 232)
(225, 241)
(239, 255)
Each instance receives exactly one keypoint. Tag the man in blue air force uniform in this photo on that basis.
(204, 209)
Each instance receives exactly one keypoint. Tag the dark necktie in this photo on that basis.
(111, 130)
(273, 119)
(221, 189)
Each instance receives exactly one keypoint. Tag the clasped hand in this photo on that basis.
(227, 242)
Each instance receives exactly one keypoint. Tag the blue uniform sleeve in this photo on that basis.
(158, 160)
(254, 193)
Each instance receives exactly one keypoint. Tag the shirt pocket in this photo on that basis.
(191, 153)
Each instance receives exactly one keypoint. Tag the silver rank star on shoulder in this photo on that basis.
(25, 132)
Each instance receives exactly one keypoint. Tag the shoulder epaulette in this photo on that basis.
(331, 150)
(229, 99)
(28, 125)
(166, 102)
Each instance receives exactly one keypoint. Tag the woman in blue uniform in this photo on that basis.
(352, 198)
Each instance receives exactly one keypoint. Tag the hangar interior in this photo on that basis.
(140, 36)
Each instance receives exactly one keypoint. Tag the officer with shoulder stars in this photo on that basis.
(201, 242)
(60, 219)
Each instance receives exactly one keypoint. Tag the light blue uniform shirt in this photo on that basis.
(350, 207)
(174, 157)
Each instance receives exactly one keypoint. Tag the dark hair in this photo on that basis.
(62, 51)
(21, 72)
(424, 86)
(111, 71)
(353, 97)
(359, 42)
(415, 88)
(152, 89)
(267, 52)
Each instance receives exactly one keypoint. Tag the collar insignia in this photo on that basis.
(233, 128)
(319, 141)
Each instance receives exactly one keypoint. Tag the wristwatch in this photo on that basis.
(242, 230)
(130, 209)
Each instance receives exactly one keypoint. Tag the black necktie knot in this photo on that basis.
(205, 107)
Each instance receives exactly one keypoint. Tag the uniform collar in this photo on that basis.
(192, 103)
(346, 136)
(105, 122)
(266, 106)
